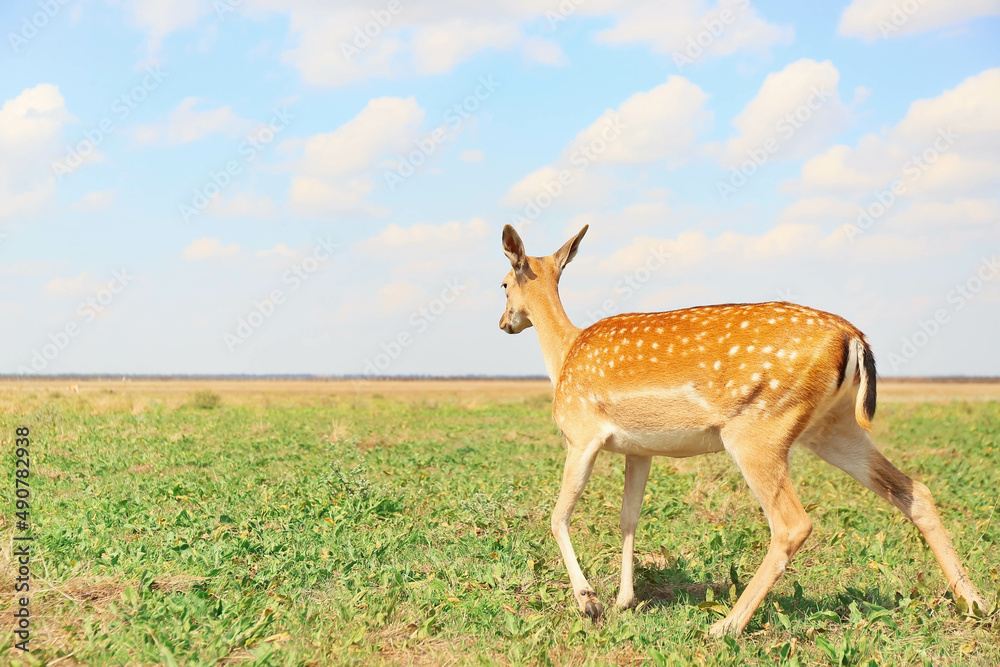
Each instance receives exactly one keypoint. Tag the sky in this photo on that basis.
(307, 187)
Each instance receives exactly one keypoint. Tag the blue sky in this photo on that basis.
(322, 253)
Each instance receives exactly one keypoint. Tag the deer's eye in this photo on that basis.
(504, 286)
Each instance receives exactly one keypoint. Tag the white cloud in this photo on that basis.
(817, 209)
(437, 48)
(396, 296)
(350, 41)
(385, 125)
(209, 248)
(694, 247)
(243, 205)
(31, 127)
(187, 124)
(874, 19)
(949, 218)
(159, 18)
(945, 146)
(423, 235)
(671, 27)
(33, 267)
(33, 117)
(335, 172)
(661, 125)
(61, 288)
(472, 156)
(280, 250)
(610, 228)
(544, 52)
(95, 200)
(793, 114)
(970, 108)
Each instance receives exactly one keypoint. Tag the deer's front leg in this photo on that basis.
(579, 464)
(636, 474)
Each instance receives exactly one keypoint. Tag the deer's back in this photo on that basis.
(694, 369)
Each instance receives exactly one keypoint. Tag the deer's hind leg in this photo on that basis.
(844, 444)
(761, 452)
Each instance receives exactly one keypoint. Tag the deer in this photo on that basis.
(749, 379)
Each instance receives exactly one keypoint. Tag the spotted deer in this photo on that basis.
(750, 379)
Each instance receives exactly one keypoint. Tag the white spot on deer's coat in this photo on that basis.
(774, 384)
(767, 350)
(734, 349)
(717, 365)
(755, 377)
(744, 324)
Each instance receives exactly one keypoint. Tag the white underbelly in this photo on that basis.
(674, 443)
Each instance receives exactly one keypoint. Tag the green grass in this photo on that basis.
(420, 535)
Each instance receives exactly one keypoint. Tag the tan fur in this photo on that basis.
(749, 378)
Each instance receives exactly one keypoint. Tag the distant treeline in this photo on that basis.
(405, 378)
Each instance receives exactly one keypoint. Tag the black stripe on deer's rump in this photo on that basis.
(870, 371)
(845, 353)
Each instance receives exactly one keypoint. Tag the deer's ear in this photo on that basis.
(566, 253)
(513, 247)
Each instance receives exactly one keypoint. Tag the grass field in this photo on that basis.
(377, 525)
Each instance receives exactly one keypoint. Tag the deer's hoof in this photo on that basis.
(724, 627)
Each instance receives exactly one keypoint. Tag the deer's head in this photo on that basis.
(532, 280)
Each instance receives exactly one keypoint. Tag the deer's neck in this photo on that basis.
(555, 332)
